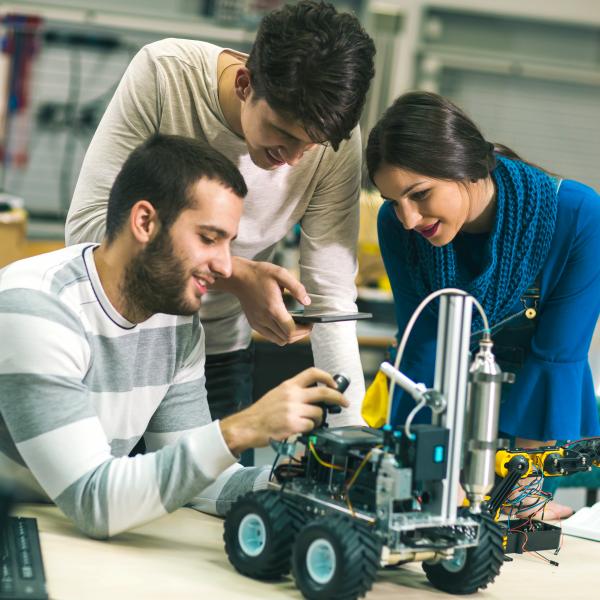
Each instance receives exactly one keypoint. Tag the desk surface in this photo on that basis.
(181, 556)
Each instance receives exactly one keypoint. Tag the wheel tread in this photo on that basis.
(284, 522)
(484, 563)
(361, 556)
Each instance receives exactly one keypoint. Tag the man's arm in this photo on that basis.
(328, 266)
(52, 421)
(282, 412)
(183, 411)
(131, 117)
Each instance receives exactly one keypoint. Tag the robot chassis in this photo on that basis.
(361, 498)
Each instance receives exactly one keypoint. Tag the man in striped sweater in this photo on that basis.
(101, 345)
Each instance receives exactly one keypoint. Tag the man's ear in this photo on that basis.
(243, 87)
(143, 221)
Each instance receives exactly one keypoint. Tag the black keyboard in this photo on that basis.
(22, 575)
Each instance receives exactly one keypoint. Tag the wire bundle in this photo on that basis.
(517, 502)
(532, 490)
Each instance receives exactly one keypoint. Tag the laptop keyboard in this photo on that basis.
(22, 571)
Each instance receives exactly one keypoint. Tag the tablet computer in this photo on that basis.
(301, 317)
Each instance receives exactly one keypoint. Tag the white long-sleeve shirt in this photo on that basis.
(171, 87)
(79, 386)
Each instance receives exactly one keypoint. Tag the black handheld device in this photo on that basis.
(6, 501)
(301, 317)
(342, 382)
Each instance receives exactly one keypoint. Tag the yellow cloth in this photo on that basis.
(375, 403)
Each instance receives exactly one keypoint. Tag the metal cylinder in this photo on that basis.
(481, 425)
(450, 380)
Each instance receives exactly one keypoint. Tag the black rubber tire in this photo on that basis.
(357, 553)
(282, 522)
(481, 565)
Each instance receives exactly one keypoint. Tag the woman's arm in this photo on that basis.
(553, 396)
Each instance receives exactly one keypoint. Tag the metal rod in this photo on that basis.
(451, 371)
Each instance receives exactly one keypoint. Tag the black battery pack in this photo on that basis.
(528, 536)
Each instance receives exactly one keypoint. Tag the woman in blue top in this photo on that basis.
(462, 212)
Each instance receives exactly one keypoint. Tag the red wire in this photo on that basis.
(581, 440)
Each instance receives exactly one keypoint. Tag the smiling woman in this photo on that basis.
(436, 209)
(462, 212)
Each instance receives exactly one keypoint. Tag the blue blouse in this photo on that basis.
(553, 396)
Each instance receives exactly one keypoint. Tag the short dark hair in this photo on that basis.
(162, 171)
(427, 134)
(313, 64)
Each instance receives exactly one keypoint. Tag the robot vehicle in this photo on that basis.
(361, 498)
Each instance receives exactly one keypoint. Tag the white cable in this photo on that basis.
(408, 329)
(411, 416)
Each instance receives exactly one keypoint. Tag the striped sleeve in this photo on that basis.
(185, 406)
(44, 357)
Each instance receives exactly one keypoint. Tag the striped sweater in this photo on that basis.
(80, 385)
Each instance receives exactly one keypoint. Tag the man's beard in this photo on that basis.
(155, 282)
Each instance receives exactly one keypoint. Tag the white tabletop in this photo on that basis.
(181, 556)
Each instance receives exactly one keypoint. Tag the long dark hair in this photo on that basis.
(427, 134)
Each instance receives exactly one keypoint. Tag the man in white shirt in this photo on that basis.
(287, 116)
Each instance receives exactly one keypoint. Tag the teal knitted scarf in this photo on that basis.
(517, 248)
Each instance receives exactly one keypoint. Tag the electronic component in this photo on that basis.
(6, 499)
(392, 493)
(302, 317)
(342, 382)
(341, 441)
(527, 535)
(22, 572)
(401, 483)
(425, 452)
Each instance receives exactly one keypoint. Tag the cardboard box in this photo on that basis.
(370, 264)
(13, 229)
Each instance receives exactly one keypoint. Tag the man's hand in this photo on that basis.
(284, 411)
(259, 287)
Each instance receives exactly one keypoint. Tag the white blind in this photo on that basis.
(553, 124)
